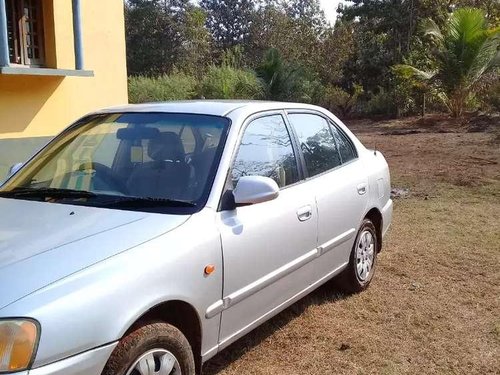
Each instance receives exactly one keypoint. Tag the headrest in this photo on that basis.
(166, 146)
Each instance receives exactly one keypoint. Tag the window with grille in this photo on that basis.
(25, 32)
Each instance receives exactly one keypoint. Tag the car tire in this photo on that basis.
(362, 261)
(152, 347)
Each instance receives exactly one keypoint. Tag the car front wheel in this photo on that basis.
(152, 349)
(359, 273)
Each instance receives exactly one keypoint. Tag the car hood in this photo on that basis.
(41, 243)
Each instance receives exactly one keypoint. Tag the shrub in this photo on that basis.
(176, 86)
(288, 81)
(226, 82)
(340, 101)
(489, 93)
(311, 91)
(380, 103)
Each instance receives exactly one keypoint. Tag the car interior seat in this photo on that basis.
(166, 175)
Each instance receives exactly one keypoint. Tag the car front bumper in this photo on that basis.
(91, 362)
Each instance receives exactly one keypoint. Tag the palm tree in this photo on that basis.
(281, 80)
(465, 50)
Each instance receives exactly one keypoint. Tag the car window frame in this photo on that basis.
(228, 188)
(329, 121)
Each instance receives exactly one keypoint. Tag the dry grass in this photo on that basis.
(434, 306)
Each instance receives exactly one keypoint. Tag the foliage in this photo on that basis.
(293, 28)
(464, 51)
(227, 82)
(286, 81)
(489, 92)
(270, 28)
(337, 47)
(228, 21)
(308, 12)
(197, 45)
(340, 101)
(176, 86)
(281, 80)
(385, 33)
(380, 103)
(374, 60)
(163, 22)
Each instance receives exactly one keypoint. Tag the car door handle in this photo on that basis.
(304, 213)
(362, 189)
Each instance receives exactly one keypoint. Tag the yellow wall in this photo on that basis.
(36, 106)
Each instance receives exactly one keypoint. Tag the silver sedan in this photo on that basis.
(145, 239)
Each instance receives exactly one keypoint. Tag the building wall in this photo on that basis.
(35, 108)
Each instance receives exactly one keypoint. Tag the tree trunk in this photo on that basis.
(423, 104)
(457, 102)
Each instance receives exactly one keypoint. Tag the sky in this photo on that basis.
(330, 8)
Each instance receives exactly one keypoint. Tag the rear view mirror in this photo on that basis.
(15, 168)
(255, 189)
(134, 134)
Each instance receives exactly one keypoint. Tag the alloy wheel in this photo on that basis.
(365, 255)
(156, 362)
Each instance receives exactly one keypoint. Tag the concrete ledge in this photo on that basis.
(11, 70)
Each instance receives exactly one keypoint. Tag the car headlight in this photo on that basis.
(18, 342)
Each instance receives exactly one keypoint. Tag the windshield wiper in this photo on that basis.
(46, 193)
(139, 202)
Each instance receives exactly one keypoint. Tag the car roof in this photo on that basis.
(207, 107)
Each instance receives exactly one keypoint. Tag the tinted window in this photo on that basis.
(346, 148)
(316, 142)
(266, 150)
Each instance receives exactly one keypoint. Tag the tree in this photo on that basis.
(465, 50)
(336, 49)
(228, 21)
(196, 47)
(287, 81)
(385, 32)
(290, 29)
(270, 28)
(155, 35)
(308, 12)
(491, 8)
(281, 80)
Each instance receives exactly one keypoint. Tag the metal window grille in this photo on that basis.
(25, 32)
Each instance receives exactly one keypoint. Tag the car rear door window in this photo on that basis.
(266, 150)
(346, 148)
(316, 142)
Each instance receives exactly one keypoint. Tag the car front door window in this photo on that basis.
(266, 150)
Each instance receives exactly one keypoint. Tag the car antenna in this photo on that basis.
(375, 150)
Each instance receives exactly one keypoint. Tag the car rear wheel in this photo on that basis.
(359, 273)
(152, 349)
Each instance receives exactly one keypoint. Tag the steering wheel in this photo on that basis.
(106, 175)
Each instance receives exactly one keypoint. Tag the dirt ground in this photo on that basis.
(434, 305)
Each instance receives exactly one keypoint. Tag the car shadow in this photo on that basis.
(327, 293)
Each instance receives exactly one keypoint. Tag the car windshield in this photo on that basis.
(139, 161)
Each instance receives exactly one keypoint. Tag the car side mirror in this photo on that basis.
(255, 189)
(13, 169)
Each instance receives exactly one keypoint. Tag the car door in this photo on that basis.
(266, 246)
(339, 183)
